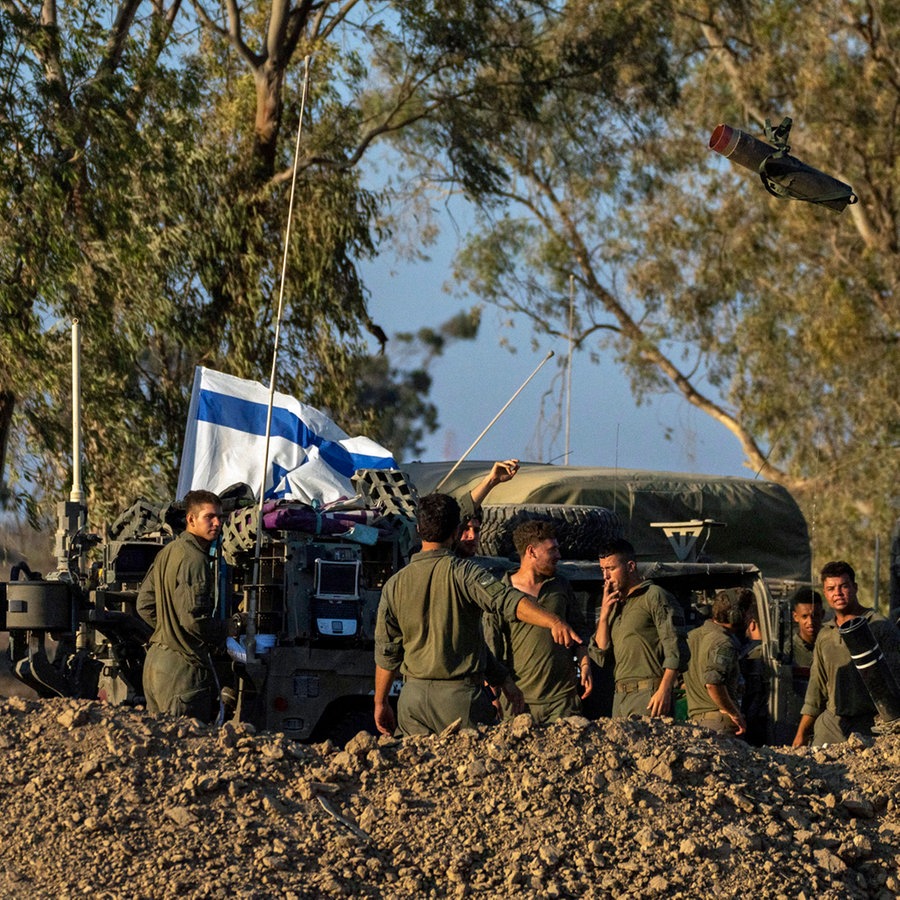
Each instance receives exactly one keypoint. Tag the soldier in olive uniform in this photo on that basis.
(543, 670)
(429, 630)
(644, 627)
(837, 703)
(178, 599)
(713, 683)
(470, 506)
(755, 672)
(808, 613)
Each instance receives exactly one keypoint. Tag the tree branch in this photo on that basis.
(115, 44)
(279, 14)
(334, 21)
(20, 7)
(649, 350)
(233, 33)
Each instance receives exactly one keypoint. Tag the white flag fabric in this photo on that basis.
(310, 458)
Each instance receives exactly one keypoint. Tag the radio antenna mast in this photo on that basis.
(253, 600)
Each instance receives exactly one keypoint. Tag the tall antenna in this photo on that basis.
(616, 476)
(77, 493)
(491, 423)
(253, 601)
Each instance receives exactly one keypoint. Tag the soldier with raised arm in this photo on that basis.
(429, 630)
(470, 506)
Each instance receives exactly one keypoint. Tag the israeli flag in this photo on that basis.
(310, 459)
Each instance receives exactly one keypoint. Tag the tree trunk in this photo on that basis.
(7, 405)
(269, 80)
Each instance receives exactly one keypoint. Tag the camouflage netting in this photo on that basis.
(110, 803)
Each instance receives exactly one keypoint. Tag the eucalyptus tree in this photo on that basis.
(82, 112)
(778, 319)
(147, 151)
(812, 364)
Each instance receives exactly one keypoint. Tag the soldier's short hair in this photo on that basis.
(837, 569)
(618, 547)
(193, 500)
(806, 595)
(752, 612)
(437, 517)
(730, 607)
(532, 531)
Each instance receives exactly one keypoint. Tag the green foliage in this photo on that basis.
(145, 182)
(778, 319)
(814, 351)
(145, 169)
(432, 342)
(391, 406)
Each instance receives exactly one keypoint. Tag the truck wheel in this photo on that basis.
(345, 724)
(581, 530)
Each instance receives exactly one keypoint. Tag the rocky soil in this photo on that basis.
(108, 803)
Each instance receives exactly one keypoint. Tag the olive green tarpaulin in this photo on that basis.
(763, 524)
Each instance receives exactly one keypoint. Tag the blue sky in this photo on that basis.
(473, 380)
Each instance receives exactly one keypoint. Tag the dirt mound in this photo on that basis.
(110, 803)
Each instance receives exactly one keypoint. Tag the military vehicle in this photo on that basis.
(761, 522)
(308, 672)
(304, 664)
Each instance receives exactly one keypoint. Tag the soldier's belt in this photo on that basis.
(713, 716)
(630, 685)
(474, 679)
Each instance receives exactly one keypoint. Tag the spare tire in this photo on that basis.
(581, 530)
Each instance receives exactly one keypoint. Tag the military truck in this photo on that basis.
(761, 523)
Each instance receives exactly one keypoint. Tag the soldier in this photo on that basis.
(808, 613)
(837, 702)
(713, 682)
(498, 678)
(429, 629)
(470, 506)
(755, 702)
(644, 626)
(178, 599)
(543, 670)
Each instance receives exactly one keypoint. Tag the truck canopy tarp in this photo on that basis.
(763, 524)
